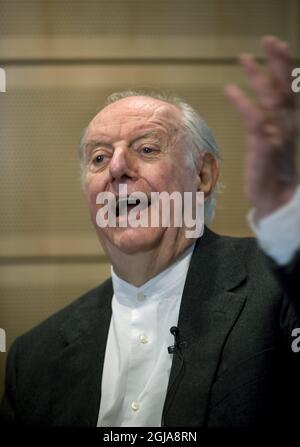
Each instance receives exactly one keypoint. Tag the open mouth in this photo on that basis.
(124, 205)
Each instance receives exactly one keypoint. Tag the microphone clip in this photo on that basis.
(175, 332)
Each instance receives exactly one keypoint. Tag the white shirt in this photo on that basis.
(137, 363)
(279, 233)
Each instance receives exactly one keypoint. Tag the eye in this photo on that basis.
(147, 150)
(98, 159)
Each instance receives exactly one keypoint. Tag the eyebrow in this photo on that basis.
(92, 144)
(151, 133)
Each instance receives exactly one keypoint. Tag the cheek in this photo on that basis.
(93, 187)
(161, 181)
(176, 177)
(186, 174)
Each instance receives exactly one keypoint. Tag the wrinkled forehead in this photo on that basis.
(133, 113)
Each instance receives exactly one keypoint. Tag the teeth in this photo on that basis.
(121, 201)
(134, 202)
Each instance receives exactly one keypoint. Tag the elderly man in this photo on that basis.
(188, 331)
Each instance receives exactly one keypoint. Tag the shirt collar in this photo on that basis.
(168, 283)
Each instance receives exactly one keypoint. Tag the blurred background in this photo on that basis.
(62, 58)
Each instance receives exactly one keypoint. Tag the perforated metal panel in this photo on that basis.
(66, 29)
(29, 293)
(62, 58)
(138, 17)
(40, 129)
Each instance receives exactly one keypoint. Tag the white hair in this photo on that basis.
(193, 123)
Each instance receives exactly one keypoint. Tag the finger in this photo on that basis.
(250, 113)
(271, 92)
(279, 57)
(258, 81)
(279, 65)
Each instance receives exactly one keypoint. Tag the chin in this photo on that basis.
(134, 240)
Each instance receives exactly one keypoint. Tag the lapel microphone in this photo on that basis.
(179, 371)
(175, 332)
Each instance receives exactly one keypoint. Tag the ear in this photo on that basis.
(208, 173)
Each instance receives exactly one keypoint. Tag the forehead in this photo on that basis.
(129, 115)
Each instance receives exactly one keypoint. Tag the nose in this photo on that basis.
(122, 165)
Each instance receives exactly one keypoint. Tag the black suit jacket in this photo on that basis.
(236, 366)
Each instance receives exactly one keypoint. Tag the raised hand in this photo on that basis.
(271, 123)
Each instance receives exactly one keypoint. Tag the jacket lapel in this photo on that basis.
(84, 338)
(209, 310)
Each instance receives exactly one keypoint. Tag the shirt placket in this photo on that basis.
(142, 357)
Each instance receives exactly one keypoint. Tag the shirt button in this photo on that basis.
(140, 296)
(144, 339)
(135, 405)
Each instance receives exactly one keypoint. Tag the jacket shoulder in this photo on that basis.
(245, 253)
(77, 314)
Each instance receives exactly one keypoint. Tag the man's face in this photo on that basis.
(137, 141)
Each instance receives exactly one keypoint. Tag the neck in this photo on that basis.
(138, 268)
